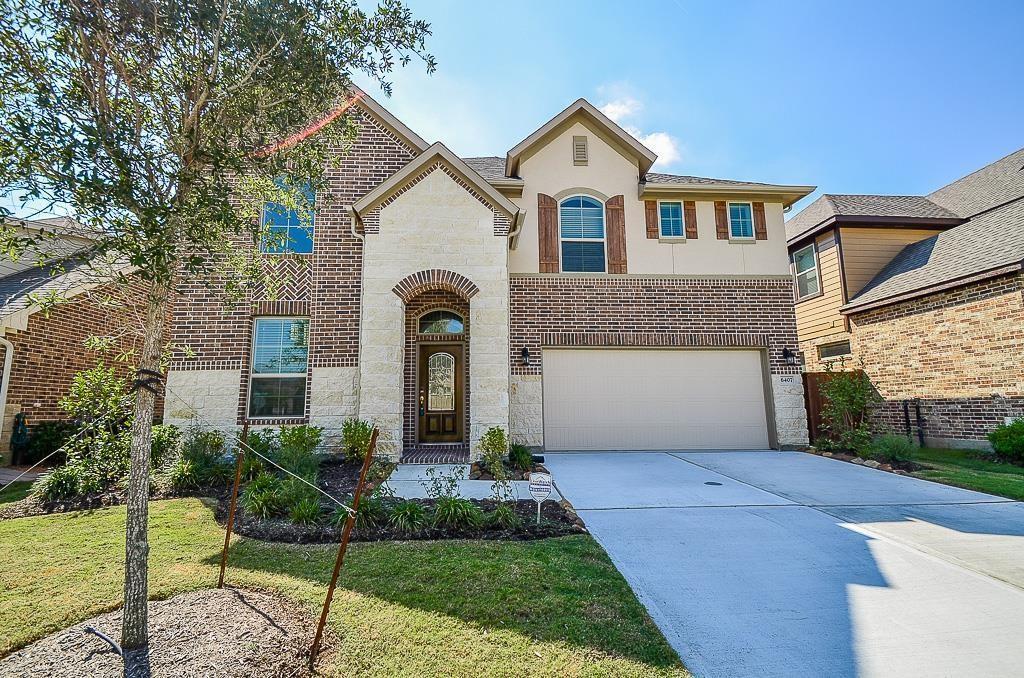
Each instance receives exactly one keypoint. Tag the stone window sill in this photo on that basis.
(673, 239)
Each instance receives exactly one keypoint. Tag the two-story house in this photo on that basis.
(563, 292)
(925, 294)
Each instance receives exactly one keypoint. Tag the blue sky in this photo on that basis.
(854, 97)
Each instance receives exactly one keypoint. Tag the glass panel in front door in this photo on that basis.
(441, 382)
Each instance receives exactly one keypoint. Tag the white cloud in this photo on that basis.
(619, 109)
(624, 107)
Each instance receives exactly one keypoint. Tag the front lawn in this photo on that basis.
(547, 607)
(965, 468)
(16, 492)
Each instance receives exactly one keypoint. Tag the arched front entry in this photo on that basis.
(436, 407)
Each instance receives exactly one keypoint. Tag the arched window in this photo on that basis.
(441, 322)
(581, 228)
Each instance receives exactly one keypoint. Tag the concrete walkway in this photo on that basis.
(768, 563)
(408, 481)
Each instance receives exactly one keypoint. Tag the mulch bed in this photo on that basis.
(557, 520)
(215, 632)
(34, 506)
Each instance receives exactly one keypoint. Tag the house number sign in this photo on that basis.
(540, 488)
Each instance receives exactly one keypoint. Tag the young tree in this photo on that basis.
(163, 125)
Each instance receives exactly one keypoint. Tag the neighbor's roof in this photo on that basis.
(832, 207)
(989, 187)
(988, 243)
(16, 288)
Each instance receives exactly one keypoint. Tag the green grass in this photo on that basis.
(965, 468)
(548, 607)
(16, 492)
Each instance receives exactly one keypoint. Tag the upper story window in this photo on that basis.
(670, 218)
(288, 230)
(441, 322)
(277, 385)
(581, 227)
(741, 220)
(805, 267)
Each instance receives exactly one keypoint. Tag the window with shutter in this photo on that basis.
(579, 150)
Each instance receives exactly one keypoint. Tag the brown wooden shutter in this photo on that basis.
(721, 220)
(615, 225)
(547, 230)
(651, 213)
(760, 228)
(690, 219)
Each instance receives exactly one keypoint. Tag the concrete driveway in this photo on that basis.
(766, 563)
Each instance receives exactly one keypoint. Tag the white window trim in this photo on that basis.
(278, 375)
(604, 240)
(728, 215)
(797, 274)
(682, 214)
(263, 225)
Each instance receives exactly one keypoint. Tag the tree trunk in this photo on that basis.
(134, 630)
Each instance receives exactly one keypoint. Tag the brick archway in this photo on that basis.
(433, 279)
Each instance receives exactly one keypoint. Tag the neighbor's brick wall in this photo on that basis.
(325, 286)
(959, 352)
(51, 350)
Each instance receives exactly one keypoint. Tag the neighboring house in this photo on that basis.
(564, 292)
(42, 350)
(924, 292)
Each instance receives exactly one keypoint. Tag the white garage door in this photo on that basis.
(638, 399)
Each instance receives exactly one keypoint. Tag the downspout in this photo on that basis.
(517, 226)
(8, 361)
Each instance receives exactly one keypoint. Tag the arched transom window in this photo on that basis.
(581, 228)
(441, 322)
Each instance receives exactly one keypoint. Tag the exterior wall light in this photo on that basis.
(789, 356)
(525, 353)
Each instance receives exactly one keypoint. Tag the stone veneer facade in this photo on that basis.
(957, 352)
(653, 311)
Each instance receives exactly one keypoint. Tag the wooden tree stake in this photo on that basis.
(234, 500)
(349, 524)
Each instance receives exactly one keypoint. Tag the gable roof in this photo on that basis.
(644, 156)
(382, 114)
(834, 207)
(989, 187)
(985, 245)
(436, 151)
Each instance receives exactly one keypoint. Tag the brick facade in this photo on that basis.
(51, 350)
(957, 352)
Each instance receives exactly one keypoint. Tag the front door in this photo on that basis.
(440, 399)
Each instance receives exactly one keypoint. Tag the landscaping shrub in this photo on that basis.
(504, 516)
(891, 449)
(520, 457)
(98, 394)
(262, 441)
(848, 397)
(298, 450)
(46, 438)
(166, 442)
(494, 446)
(1008, 441)
(60, 483)
(440, 485)
(408, 517)
(457, 513)
(202, 461)
(372, 512)
(355, 439)
(262, 497)
(305, 511)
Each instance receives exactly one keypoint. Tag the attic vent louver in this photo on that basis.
(579, 150)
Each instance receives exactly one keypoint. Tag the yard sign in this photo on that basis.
(540, 488)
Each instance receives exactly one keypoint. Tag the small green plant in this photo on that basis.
(166, 442)
(298, 451)
(204, 451)
(891, 449)
(62, 482)
(355, 439)
(372, 512)
(457, 513)
(408, 517)
(504, 516)
(305, 511)
(520, 457)
(848, 397)
(440, 485)
(262, 496)
(182, 475)
(259, 444)
(48, 437)
(1008, 441)
(294, 492)
(493, 446)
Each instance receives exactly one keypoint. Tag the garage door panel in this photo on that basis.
(653, 399)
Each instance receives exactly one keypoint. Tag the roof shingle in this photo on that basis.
(832, 205)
